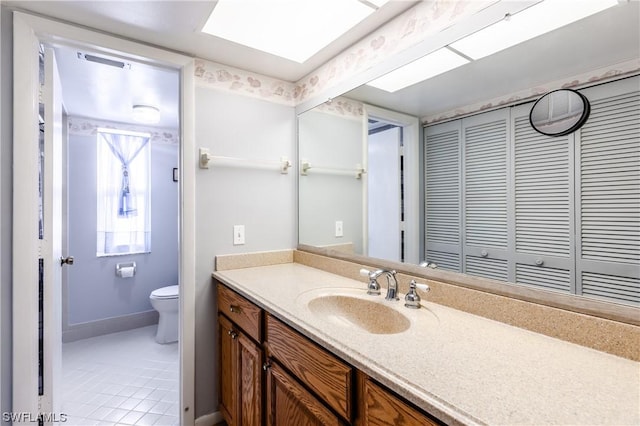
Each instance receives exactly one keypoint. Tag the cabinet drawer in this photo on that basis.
(243, 313)
(319, 370)
(382, 408)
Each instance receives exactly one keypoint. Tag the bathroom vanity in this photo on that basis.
(302, 343)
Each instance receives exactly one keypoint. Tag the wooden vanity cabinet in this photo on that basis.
(299, 382)
(241, 360)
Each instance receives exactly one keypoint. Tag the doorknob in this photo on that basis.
(68, 260)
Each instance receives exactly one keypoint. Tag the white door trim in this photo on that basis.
(411, 147)
(28, 32)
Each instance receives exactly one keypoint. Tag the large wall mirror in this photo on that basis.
(361, 196)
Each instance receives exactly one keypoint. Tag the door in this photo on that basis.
(485, 179)
(51, 247)
(384, 198)
(28, 30)
(37, 227)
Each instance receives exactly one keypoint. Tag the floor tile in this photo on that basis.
(132, 417)
(105, 378)
(148, 419)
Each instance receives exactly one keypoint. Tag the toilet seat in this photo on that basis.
(168, 292)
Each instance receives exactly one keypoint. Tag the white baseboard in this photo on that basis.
(209, 419)
(109, 325)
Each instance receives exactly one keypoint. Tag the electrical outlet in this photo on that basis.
(339, 231)
(238, 235)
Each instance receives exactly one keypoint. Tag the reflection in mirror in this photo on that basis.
(351, 191)
(331, 185)
(559, 112)
(605, 263)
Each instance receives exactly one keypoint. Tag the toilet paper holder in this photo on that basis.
(125, 270)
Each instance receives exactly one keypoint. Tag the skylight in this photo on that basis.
(527, 24)
(435, 63)
(292, 29)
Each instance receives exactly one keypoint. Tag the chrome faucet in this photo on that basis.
(373, 288)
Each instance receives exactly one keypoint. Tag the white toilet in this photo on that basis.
(165, 301)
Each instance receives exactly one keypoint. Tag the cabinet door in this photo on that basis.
(250, 382)
(288, 403)
(381, 408)
(228, 369)
(240, 377)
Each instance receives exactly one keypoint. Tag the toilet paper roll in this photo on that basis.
(127, 271)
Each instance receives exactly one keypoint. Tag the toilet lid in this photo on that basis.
(168, 292)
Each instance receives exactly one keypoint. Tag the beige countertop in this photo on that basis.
(462, 368)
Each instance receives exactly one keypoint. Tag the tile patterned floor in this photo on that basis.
(120, 379)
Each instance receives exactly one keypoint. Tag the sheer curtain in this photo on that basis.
(124, 220)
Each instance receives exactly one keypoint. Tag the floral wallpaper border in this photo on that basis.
(217, 76)
(596, 76)
(343, 107)
(89, 126)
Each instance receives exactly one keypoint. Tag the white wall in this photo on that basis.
(94, 291)
(264, 201)
(329, 140)
(6, 155)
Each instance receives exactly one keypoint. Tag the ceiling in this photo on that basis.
(95, 90)
(105, 92)
(100, 91)
(176, 24)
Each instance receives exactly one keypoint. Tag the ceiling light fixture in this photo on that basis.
(292, 29)
(146, 114)
(531, 22)
(437, 62)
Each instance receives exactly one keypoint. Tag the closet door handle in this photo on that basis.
(484, 253)
(539, 262)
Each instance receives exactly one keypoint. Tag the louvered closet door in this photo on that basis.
(485, 181)
(442, 196)
(609, 194)
(542, 191)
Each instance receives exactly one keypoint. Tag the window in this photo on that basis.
(123, 193)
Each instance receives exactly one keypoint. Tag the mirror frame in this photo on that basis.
(586, 109)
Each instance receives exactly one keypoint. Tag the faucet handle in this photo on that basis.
(412, 298)
(373, 288)
(365, 272)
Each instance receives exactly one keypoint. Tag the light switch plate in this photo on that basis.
(339, 230)
(238, 235)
